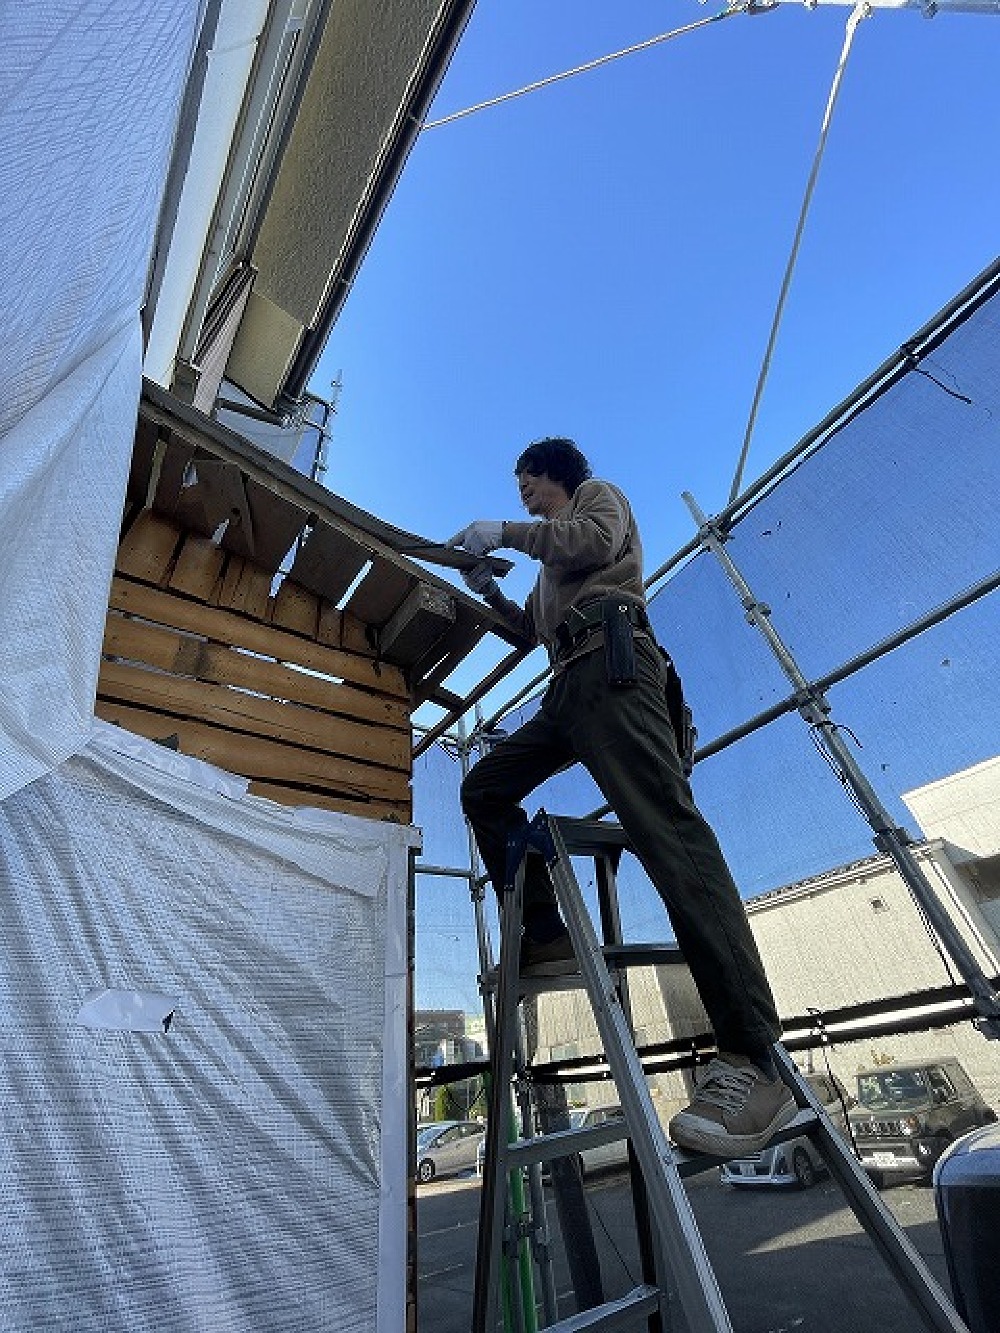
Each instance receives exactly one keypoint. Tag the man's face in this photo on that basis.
(541, 496)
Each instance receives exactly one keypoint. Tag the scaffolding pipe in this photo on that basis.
(905, 359)
(889, 839)
(841, 673)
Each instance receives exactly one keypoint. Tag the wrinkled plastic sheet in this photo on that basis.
(239, 1164)
(89, 96)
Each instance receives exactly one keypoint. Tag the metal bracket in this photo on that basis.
(812, 706)
(533, 837)
(885, 839)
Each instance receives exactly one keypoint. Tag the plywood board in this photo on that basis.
(296, 609)
(246, 588)
(399, 812)
(340, 630)
(144, 449)
(174, 462)
(424, 618)
(147, 550)
(274, 524)
(216, 496)
(380, 593)
(460, 643)
(198, 569)
(327, 562)
(187, 655)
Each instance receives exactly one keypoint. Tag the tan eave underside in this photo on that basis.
(366, 60)
(335, 155)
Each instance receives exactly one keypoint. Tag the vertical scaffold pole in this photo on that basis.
(889, 838)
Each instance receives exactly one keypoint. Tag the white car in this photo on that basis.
(445, 1147)
(797, 1163)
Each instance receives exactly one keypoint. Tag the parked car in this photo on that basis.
(907, 1114)
(445, 1147)
(797, 1163)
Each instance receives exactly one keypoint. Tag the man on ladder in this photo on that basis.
(606, 707)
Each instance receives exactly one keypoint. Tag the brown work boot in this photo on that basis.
(735, 1111)
(554, 958)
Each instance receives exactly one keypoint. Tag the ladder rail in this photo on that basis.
(651, 1258)
(697, 1286)
(493, 1193)
(897, 1250)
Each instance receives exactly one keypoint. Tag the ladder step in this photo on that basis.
(621, 1313)
(642, 955)
(618, 957)
(693, 1163)
(590, 837)
(565, 1142)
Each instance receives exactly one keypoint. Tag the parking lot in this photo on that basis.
(787, 1261)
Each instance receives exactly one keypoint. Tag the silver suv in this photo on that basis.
(908, 1113)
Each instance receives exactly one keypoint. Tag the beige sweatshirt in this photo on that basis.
(589, 550)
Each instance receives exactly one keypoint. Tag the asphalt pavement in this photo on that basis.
(787, 1261)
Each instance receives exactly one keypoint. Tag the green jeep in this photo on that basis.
(908, 1113)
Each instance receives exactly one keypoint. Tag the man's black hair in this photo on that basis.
(556, 458)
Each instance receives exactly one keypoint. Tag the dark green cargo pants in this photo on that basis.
(625, 740)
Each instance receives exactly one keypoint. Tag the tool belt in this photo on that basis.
(583, 621)
(619, 618)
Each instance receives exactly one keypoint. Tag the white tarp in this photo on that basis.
(89, 95)
(239, 1164)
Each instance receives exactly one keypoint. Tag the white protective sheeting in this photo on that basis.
(89, 95)
(244, 1169)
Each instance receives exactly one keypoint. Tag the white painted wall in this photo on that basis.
(963, 808)
(849, 936)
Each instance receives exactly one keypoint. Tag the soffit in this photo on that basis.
(358, 113)
(367, 57)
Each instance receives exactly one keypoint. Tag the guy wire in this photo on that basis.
(590, 64)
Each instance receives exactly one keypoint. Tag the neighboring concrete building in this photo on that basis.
(849, 938)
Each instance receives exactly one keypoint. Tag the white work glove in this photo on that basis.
(479, 579)
(480, 537)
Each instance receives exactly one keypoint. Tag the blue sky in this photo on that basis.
(602, 258)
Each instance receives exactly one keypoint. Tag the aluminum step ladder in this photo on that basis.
(676, 1268)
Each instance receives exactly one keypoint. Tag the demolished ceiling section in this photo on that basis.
(214, 483)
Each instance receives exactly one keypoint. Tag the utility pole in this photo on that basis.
(325, 428)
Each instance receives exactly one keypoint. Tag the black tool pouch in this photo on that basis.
(681, 717)
(619, 646)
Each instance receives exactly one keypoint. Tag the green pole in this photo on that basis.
(523, 1252)
(516, 1211)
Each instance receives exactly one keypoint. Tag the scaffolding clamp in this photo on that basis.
(813, 706)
